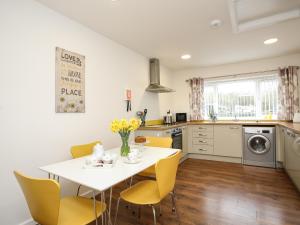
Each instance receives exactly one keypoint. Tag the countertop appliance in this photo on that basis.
(168, 119)
(181, 117)
(259, 146)
(292, 156)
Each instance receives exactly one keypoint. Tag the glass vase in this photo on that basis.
(125, 148)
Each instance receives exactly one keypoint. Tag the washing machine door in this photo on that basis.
(259, 144)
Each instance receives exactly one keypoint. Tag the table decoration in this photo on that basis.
(107, 160)
(124, 127)
(98, 151)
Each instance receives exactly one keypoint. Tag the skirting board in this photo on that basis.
(28, 222)
(186, 156)
(31, 222)
(279, 165)
(215, 158)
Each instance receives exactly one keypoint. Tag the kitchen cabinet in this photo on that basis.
(292, 156)
(153, 133)
(228, 140)
(202, 149)
(201, 139)
(178, 134)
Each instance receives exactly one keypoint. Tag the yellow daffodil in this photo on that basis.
(124, 126)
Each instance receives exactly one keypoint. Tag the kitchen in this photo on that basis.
(218, 78)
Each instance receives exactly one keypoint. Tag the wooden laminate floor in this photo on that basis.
(219, 193)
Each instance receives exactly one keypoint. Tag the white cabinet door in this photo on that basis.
(280, 144)
(292, 157)
(228, 140)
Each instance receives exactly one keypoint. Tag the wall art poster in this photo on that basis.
(70, 87)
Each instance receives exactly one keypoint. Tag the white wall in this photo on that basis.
(31, 133)
(180, 99)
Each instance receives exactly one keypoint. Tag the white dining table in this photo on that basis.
(102, 179)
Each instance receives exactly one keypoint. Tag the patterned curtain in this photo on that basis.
(196, 98)
(288, 92)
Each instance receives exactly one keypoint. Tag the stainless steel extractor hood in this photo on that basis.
(154, 85)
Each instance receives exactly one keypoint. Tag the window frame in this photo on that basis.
(258, 79)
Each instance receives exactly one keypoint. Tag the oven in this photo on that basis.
(176, 135)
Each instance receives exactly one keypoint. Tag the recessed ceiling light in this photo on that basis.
(186, 56)
(270, 41)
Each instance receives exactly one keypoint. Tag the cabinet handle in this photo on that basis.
(297, 141)
(202, 149)
(202, 141)
(202, 134)
(290, 133)
(202, 128)
(234, 128)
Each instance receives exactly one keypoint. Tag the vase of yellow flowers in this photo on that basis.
(124, 127)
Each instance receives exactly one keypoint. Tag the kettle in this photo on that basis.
(168, 119)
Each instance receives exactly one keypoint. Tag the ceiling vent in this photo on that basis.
(248, 15)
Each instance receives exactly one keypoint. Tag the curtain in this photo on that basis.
(196, 98)
(288, 92)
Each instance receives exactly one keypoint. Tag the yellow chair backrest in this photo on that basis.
(43, 198)
(166, 170)
(162, 142)
(78, 151)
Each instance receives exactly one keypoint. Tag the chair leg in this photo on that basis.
(103, 215)
(160, 210)
(94, 201)
(173, 201)
(109, 207)
(131, 179)
(104, 218)
(78, 190)
(139, 212)
(174, 209)
(154, 214)
(117, 209)
(129, 185)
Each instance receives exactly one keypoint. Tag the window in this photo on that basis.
(251, 98)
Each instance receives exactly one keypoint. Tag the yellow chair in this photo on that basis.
(152, 192)
(162, 142)
(78, 151)
(47, 208)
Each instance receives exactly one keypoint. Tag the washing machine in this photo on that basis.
(259, 146)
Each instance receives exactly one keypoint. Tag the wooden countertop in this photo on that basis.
(292, 126)
(162, 127)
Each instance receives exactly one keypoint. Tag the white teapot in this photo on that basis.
(98, 152)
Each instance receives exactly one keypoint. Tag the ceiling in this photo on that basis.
(167, 29)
